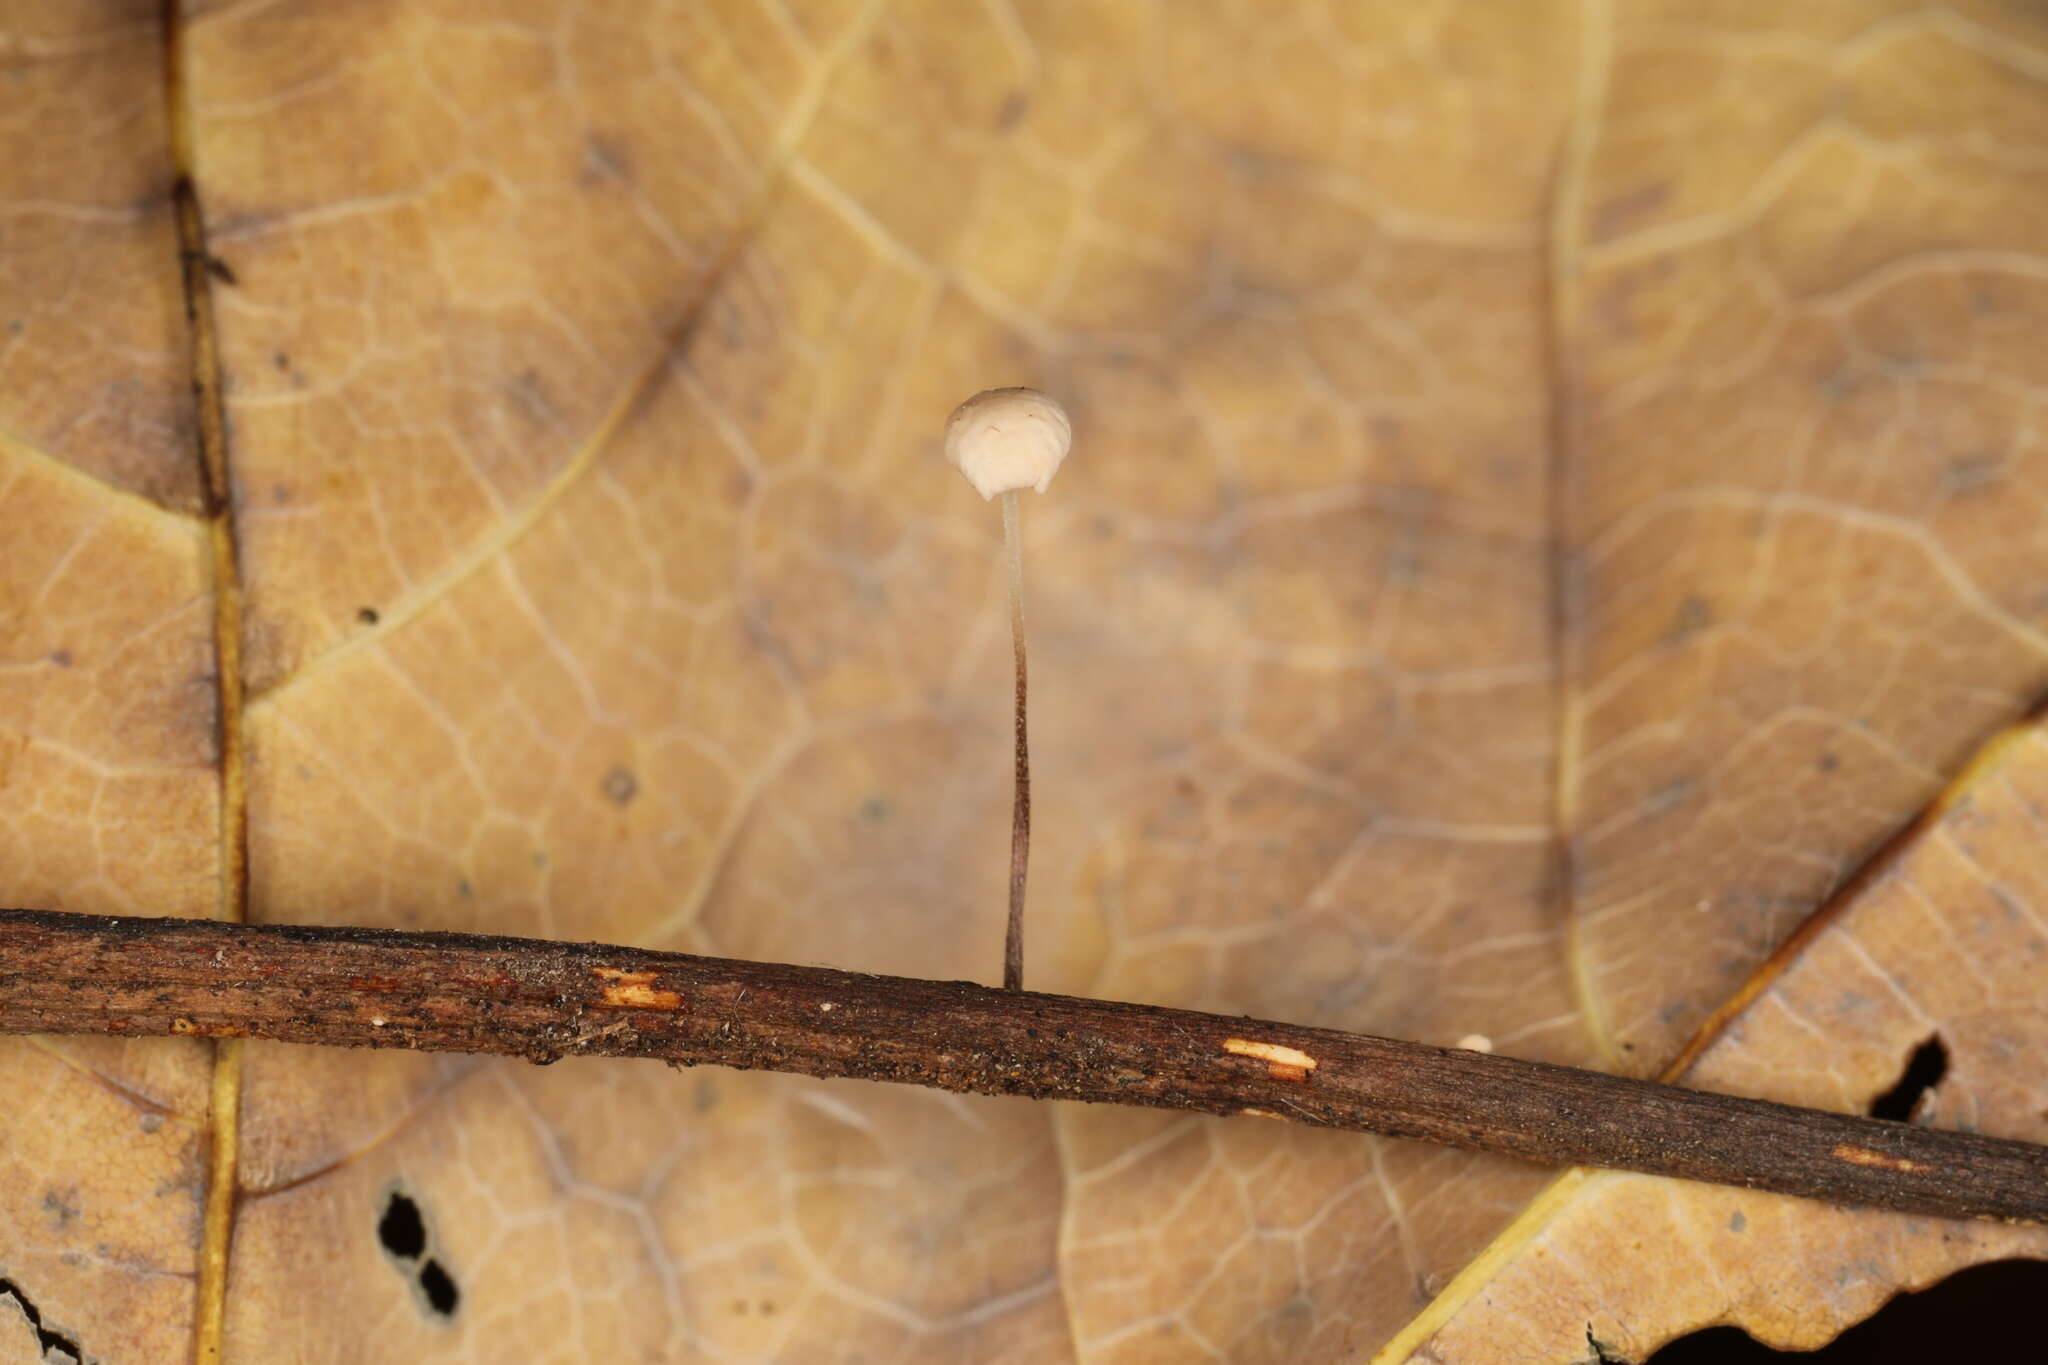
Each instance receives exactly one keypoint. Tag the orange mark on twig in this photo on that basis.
(635, 990)
(183, 1026)
(1282, 1063)
(1863, 1156)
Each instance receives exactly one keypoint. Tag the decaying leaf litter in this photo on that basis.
(1608, 421)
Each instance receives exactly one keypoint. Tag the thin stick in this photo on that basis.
(64, 973)
(1020, 807)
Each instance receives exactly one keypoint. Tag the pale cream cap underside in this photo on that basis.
(1005, 439)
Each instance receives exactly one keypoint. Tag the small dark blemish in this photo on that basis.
(61, 657)
(151, 1122)
(281, 360)
(875, 810)
(1623, 213)
(1972, 472)
(1693, 614)
(529, 396)
(464, 889)
(367, 615)
(221, 271)
(621, 786)
(1015, 106)
(540, 858)
(1827, 762)
(401, 1229)
(439, 1288)
(59, 1207)
(604, 158)
(14, 328)
(1669, 796)
(1736, 1222)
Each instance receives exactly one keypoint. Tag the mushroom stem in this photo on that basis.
(1020, 811)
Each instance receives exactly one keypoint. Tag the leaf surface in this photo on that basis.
(1551, 499)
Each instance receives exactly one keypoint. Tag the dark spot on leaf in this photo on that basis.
(367, 615)
(401, 1229)
(605, 158)
(1693, 614)
(1631, 209)
(621, 786)
(874, 810)
(1924, 1070)
(281, 360)
(61, 657)
(1736, 1222)
(464, 889)
(530, 398)
(60, 1206)
(438, 1287)
(221, 271)
(1973, 472)
(1667, 797)
(1015, 106)
(1827, 763)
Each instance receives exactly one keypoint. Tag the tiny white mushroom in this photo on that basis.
(1007, 439)
(1004, 440)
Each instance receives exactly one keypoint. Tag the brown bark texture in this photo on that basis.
(542, 1001)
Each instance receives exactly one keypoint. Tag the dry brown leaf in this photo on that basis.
(601, 579)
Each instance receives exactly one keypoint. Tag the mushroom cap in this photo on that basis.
(1005, 439)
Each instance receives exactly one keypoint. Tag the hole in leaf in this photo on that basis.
(54, 1345)
(439, 1287)
(1924, 1070)
(1971, 1308)
(402, 1231)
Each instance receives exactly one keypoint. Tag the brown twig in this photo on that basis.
(62, 973)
